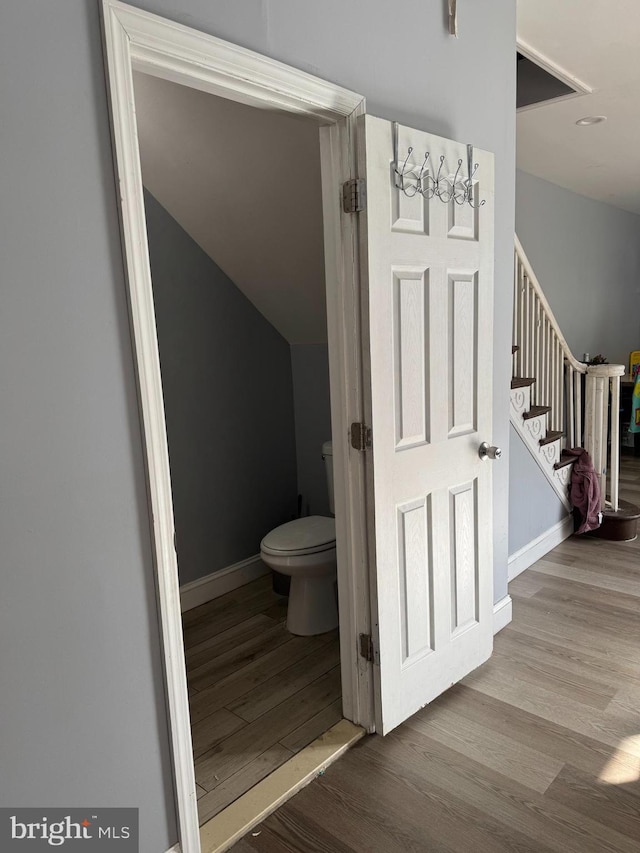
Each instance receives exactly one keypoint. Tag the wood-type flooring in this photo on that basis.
(536, 751)
(257, 694)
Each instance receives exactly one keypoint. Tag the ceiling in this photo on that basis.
(598, 42)
(244, 183)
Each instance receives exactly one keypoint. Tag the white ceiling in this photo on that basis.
(244, 183)
(597, 41)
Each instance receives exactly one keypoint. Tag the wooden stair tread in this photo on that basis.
(534, 411)
(521, 382)
(552, 435)
(564, 461)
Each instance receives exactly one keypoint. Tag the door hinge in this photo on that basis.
(354, 195)
(367, 649)
(360, 436)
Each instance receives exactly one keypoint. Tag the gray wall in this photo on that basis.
(312, 405)
(82, 711)
(226, 379)
(82, 714)
(534, 507)
(586, 255)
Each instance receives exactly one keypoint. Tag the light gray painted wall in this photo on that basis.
(534, 507)
(82, 714)
(586, 255)
(82, 710)
(226, 379)
(312, 404)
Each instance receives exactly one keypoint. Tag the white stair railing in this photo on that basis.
(544, 355)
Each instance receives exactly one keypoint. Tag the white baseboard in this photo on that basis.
(537, 548)
(218, 583)
(502, 613)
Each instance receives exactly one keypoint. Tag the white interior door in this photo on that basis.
(428, 268)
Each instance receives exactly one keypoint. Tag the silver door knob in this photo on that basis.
(487, 451)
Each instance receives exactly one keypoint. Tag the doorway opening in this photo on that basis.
(149, 44)
(237, 269)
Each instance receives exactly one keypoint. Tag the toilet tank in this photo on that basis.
(327, 455)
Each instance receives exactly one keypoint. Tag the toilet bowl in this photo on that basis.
(305, 549)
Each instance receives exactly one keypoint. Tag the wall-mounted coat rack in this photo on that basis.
(412, 179)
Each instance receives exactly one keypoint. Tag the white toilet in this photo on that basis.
(305, 549)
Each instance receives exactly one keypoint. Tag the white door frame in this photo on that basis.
(134, 39)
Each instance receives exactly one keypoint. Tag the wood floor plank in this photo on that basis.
(213, 729)
(587, 611)
(291, 831)
(545, 736)
(527, 646)
(271, 693)
(221, 621)
(257, 672)
(539, 818)
(231, 601)
(278, 611)
(512, 758)
(610, 805)
(222, 795)
(227, 640)
(240, 748)
(238, 657)
(593, 574)
(595, 596)
(606, 726)
(584, 689)
(594, 641)
(524, 585)
(406, 803)
(314, 726)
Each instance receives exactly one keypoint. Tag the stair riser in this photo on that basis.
(520, 400)
(531, 430)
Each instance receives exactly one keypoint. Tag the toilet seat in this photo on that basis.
(310, 535)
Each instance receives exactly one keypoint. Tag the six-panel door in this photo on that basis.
(428, 280)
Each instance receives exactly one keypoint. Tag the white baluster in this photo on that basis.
(578, 409)
(560, 416)
(571, 425)
(614, 465)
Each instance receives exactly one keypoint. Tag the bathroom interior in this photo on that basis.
(238, 281)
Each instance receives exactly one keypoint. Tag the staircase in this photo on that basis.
(559, 402)
(545, 445)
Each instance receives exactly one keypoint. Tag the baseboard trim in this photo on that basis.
(218, 583)
(502, 613)
(538, 547)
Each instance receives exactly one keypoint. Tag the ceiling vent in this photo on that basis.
(540, 82)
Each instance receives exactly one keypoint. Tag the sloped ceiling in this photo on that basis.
(597, 41)
(245, 185)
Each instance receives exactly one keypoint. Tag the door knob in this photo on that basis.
(487, 451)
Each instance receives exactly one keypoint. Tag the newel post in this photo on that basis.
(599, 381)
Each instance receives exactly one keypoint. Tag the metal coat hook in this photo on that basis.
(453, 18)
(412, 179)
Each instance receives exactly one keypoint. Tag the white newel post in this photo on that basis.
(599, 378)
(615, 443)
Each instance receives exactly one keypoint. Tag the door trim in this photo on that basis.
(137, 40)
